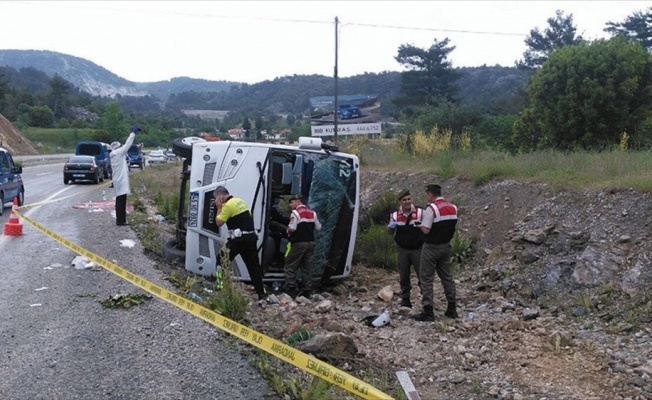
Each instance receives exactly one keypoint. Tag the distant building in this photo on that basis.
(283, 133)
(236, 134)
(209, 137)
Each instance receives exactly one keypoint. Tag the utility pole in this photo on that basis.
(335, 76)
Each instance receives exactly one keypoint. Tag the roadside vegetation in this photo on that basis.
(616, 167)
(156, 193)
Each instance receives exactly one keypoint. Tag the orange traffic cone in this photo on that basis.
(14, 227)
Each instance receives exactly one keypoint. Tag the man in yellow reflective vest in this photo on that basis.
(234, 212)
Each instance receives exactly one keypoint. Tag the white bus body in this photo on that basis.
(263, 175)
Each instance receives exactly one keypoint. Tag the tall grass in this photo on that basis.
(155, 190)
(562, 170)
(160, 186)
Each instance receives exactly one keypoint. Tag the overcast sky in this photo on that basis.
(252, 41)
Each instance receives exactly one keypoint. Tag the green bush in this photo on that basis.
(376, 248)
(378, 212)
(461, 248)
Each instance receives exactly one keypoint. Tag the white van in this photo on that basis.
(264, 175)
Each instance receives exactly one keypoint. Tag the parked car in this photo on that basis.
(11, 183)
(169, 154)
(157, 157)
(82, 168)
(136, 157)
(100, 151)
(347, 111)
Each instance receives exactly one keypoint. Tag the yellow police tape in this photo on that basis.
(276, 348)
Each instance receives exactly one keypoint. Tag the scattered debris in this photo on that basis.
(300, 335)
(81, 262)
(127, 243)
(377, 320)
(386, 294)
(125, 300)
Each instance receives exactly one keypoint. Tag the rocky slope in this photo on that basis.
(554, 303)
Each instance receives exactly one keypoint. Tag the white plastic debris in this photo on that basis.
(127, 243)
(80, 262)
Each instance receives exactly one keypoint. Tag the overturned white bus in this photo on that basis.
(264, 175)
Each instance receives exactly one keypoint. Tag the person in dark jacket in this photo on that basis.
(301, 234)
(234, 212)
(438, 226)
(404, 225)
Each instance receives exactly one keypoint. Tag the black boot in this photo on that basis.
(406, 303)
(451, 311)
(426, 315)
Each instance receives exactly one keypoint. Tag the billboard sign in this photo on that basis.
(356, 115)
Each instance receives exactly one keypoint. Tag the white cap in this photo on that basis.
(381, 320)
(115, 145)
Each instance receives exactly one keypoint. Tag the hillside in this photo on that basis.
(489, 87)
(12, 140)
(554, 303)
(98, 81)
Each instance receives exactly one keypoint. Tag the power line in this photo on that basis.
(436, 29)
(286, 20)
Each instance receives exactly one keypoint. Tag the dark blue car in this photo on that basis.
(135, 155)
(348, 111)
(11, 184)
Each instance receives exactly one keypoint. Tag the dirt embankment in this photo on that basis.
(553, 304)
(12, 140)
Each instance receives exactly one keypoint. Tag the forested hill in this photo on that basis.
(489, 87)
(486, 86)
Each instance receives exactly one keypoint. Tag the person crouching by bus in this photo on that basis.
(234, 212)
(301, 233)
